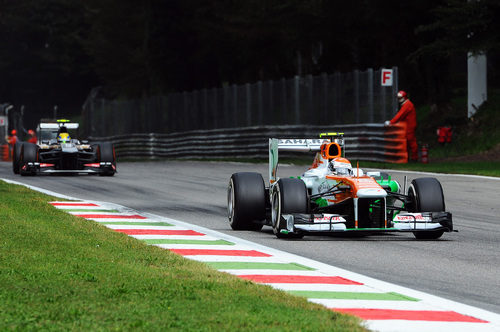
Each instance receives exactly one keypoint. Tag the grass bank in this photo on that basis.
(471, 136)
(60, 272)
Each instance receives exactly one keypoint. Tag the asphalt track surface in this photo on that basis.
(463, 266)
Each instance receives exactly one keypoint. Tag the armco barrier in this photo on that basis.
(370, 142)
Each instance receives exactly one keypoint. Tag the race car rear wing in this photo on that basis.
(53, 125)
(298, 145)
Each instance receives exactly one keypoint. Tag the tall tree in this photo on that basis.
(41, 59)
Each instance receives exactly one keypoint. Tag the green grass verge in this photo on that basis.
(60, 272)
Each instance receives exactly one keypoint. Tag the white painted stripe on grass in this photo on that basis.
(278, 272)
(174, 237)
(420, 326)
(244, 259)
(161, 228)
(93, 208)
(327, 288)
(375, 304)
(105, 220)
(95, 212)
(202, 246)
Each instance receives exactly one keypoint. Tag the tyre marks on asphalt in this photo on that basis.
(384, 307)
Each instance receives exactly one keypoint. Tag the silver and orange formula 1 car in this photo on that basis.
(333, 197)
(56, 152)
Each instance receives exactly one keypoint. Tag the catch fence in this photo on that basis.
(335, 99)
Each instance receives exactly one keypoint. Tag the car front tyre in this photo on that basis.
(29, 154)
(426, 195)
(288, 196)
(106, 153)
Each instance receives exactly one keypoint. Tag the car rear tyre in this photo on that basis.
(29, 154)
(107, 155)
(16, 155)
(288, 196)
(426, 195)
(246, 201)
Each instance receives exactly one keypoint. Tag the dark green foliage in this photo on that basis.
(463, 26)
(41, 59)
(54, 51)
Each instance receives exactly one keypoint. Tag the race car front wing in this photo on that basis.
(403, 222)
(48, 168)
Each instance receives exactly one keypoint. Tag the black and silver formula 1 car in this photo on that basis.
(333, 197)
(56, 152)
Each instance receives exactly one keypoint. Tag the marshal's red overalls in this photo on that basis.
(408, 115)
(11, 139)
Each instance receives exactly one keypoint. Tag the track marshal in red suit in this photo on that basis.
(407, 115)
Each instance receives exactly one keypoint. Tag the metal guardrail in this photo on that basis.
(369, 142)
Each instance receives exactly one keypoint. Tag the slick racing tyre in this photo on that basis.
(106, 153)
(246, 201)
(288, 196)
(29, 154)
(16, 155)
(426, 195)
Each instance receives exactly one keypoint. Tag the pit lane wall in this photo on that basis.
(369, 142)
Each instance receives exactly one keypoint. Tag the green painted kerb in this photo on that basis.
(174, 241)
(134, 223)
(257, 266)
(391, 296)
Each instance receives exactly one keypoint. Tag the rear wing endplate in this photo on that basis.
(70, 125)
(290, 144)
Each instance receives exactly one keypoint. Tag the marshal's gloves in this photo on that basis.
(387, 123)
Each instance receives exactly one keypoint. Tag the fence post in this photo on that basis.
(259, 103)
(395, 89)
(248, 109)
(234, 116)
(356, 94)
(205, 115)
(324, 114)
(91, 118)
(284, 104)
(197, 109)
(103, 101)
(309, 105)
(338, 97)
(271, 112)
(370, 94)
(185, 116)
(383, 98)
(225, 105)
(297, 98)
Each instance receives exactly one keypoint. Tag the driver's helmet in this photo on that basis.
(63, 138)
(340, 166)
